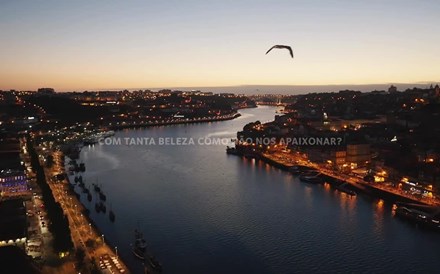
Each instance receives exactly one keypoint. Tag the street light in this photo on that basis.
(116, 251)
(102, 235)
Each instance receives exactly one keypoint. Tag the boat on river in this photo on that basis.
(421, 218)
(140, 245)
(102, 196)
(232, 151)
(155, 264)
(311, 177)
(96, 188)
(111, 215)
(100, 207)
(343, 188)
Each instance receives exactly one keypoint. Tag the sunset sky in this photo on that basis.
(78, 45)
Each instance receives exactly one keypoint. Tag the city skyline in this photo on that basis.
(94, 45)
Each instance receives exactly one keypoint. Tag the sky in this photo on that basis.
(87, 45)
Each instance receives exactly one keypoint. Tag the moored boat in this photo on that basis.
(97, 208)
(100, 207)
(342, 188)
(111, 215)
(140, 245)
(232, 150)
(295, 170)
(103, 207)
(138, 253)
(155, 264)
(301, 170)
(96, 188)
(311, 177)
(418, 217)
(102, 196)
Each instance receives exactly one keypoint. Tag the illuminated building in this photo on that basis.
(13, 183)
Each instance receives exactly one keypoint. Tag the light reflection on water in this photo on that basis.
(203, 211)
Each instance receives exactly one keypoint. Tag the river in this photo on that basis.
(203, 211)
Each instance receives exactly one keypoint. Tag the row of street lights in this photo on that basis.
(103, 242)
(74, 207)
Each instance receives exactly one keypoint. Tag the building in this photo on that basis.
(13, 183)
(333, 157)
(358, 155)
(13, 180)
(338, 157)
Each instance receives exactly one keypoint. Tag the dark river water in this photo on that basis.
(203, 211)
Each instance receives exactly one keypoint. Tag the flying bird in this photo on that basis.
(281, 47)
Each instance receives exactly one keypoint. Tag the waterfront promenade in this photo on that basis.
(174, 121)
(286, 160)
(84, 235)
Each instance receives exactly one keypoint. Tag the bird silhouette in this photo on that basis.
(281, 47)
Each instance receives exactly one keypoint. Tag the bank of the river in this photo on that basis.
(85, 234)
(175, 121)
(355, 182)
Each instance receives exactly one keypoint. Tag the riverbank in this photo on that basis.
(286, 163)
(175, 121)
(85, 236)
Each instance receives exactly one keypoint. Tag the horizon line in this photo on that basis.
(183, 88)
